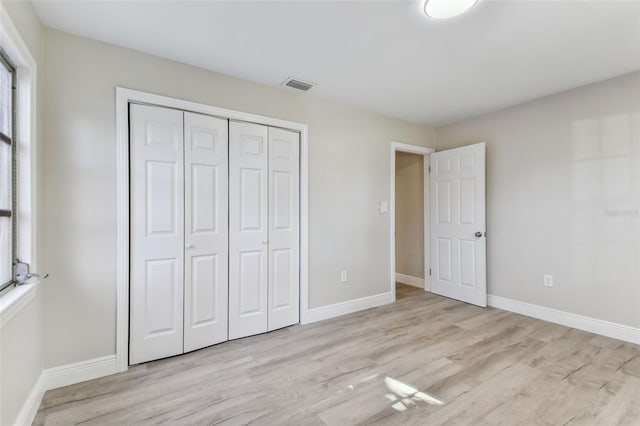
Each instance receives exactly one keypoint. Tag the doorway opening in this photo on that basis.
(410, 219)
(409, 209)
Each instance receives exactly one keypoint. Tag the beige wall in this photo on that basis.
(349, 174)
(21, 357)
(410, 214)
(22, 336)
(563, 197)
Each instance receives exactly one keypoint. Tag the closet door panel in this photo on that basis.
(157, 234)
(248, 229)
(206, 231)
(284, 228)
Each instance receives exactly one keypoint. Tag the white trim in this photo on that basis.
(409, 280)
(82, 371)
(122, 232)
(14, 300)
(348, 307)
(412, 149)
(25, 140)
(123, 97)
(29, 408)
(593, 325)
(25, 144)
(304, 223)
(53, 378)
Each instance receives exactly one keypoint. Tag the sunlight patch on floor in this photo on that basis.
(405, 396)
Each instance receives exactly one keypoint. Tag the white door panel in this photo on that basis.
(248, 229)
(284, 228)
(252, 268)
(214, 231)
(157, 234)
(206, 231)
(458, 242)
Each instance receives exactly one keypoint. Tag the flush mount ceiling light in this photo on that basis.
(444, 9)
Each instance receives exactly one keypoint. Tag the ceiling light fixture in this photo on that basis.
(445, 9)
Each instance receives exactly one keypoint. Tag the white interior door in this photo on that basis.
(206, 231)
(248, 229)
(458, 237)
(284, 228)
(157, 233)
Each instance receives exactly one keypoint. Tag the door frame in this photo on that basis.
(123, 97)
(425, 152)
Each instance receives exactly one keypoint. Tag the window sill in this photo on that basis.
(13, 301)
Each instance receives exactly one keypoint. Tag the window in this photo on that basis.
(7, 172)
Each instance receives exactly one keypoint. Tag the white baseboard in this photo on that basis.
(593, 325)
(30, 407)
(409, 280)
(348, 307)
(69, 374)
(56, 377)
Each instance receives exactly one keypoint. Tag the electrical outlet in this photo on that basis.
(548, 280)
(344, 277)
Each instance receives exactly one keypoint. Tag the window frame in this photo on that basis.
(26, 154)
(10, 139)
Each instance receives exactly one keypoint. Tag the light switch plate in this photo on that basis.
(383, 207)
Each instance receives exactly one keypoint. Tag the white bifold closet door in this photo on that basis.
(284, 228)
(263, 229)
(157, 233)
(248, 232)
(179, 232)
(206, 231)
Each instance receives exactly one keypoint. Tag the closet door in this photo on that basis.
(157, 233)
(284, 228)
(206, 231)
(248, 229)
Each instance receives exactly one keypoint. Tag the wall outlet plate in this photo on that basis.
(383, 207)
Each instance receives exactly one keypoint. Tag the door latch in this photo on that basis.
(22, 274)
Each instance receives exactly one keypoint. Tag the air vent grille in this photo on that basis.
(294, 83)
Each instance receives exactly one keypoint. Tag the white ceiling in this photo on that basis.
(384, 56)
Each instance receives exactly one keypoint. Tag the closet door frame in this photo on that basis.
(124, 97)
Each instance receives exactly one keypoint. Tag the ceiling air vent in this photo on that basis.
(294, 83)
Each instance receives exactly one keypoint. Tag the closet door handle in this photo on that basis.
(265, 242)
(188, 246)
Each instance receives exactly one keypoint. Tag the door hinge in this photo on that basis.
(429, 271)
(429, 168)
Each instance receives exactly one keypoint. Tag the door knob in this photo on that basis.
(478, 234)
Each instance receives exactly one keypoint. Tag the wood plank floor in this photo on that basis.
(422, 360)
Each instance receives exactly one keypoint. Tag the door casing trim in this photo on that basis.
(425, 152)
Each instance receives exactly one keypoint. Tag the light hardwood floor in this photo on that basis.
(424, 360)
